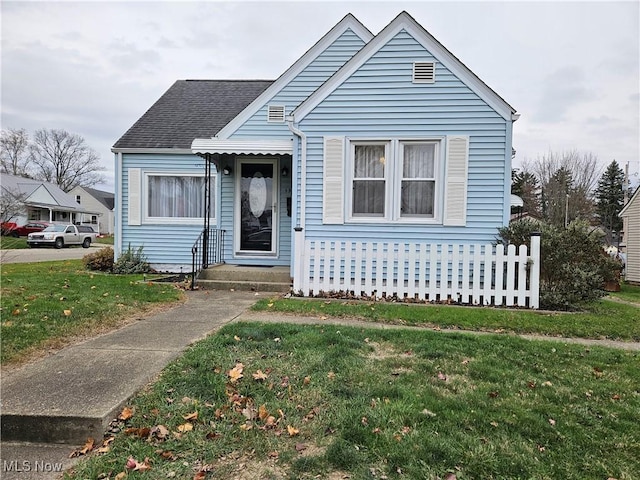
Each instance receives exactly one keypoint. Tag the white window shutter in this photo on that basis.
(134, 203)
(333, 178)
(455, 193)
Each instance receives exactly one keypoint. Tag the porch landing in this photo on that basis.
(243, 277)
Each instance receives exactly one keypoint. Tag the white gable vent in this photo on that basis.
(275, 113)
(424, 72)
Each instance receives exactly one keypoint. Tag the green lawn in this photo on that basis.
(333, 402)
(12, 243)
(48, 302)
(603, 319)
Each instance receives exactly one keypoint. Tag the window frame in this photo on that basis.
(437, 179)
(366, 218)
(147, 219)
(394, 151)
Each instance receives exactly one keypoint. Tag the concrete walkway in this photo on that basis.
(51, 406)
(75, 393)
(28, 255)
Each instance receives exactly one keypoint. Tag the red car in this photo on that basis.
(28, 228)
(6, 227)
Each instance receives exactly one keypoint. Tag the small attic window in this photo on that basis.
(424, 72)
(275, 113)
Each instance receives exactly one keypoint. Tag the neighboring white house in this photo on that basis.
(631, 216)
(42, 201)
(100, 204)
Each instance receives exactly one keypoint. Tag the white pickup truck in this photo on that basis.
(61, 235)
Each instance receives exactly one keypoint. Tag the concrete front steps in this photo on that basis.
(245, 278)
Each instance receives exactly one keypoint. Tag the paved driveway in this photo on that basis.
(46, 254)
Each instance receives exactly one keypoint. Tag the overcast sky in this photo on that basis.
(93, 68)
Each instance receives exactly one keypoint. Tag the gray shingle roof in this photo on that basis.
(105, 198)
(191, 109)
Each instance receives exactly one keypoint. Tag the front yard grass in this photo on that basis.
(13, 243)
(603, 319)
(46, 303)
(279, 401)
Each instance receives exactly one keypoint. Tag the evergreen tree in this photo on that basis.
(610, 199)
(526, 186)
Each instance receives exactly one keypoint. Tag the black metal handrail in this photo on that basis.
(207, 250)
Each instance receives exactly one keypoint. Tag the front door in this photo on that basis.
(256, 208)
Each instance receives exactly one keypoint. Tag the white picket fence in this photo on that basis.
(461, 273)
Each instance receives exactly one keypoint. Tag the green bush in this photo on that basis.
(573, 266)
(102, 260)
(131, 261)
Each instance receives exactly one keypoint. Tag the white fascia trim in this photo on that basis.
(242, 146)
(348, 22)
(405, 22)
(179, 151)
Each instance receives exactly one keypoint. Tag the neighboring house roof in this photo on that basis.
(31, 189)
(105, 198)
(188, 110)
(406, 22)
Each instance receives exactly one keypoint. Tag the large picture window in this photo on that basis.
(176, 197)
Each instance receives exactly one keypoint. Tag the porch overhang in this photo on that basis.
(203, 146)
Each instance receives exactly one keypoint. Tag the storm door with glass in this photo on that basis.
(256, 218)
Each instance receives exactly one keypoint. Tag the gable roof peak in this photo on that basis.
(348, 22)
(405, 21)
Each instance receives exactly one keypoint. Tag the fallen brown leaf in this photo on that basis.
(185, 427)
(235, 373)
(126, 414)
(292, 431)
(263, 413)
(259, 376)
(191, 416)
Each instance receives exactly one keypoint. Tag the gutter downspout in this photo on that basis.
(117, 226)
(298, 236)
(303, 168)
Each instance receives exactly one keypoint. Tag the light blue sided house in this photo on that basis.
(377, 165)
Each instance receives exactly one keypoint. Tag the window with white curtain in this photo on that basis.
(177, 197)
(394, 180)
(418, 182)
(369, 180)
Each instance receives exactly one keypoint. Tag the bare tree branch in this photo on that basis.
(64, 159)
(11, 204)
(13, 152)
